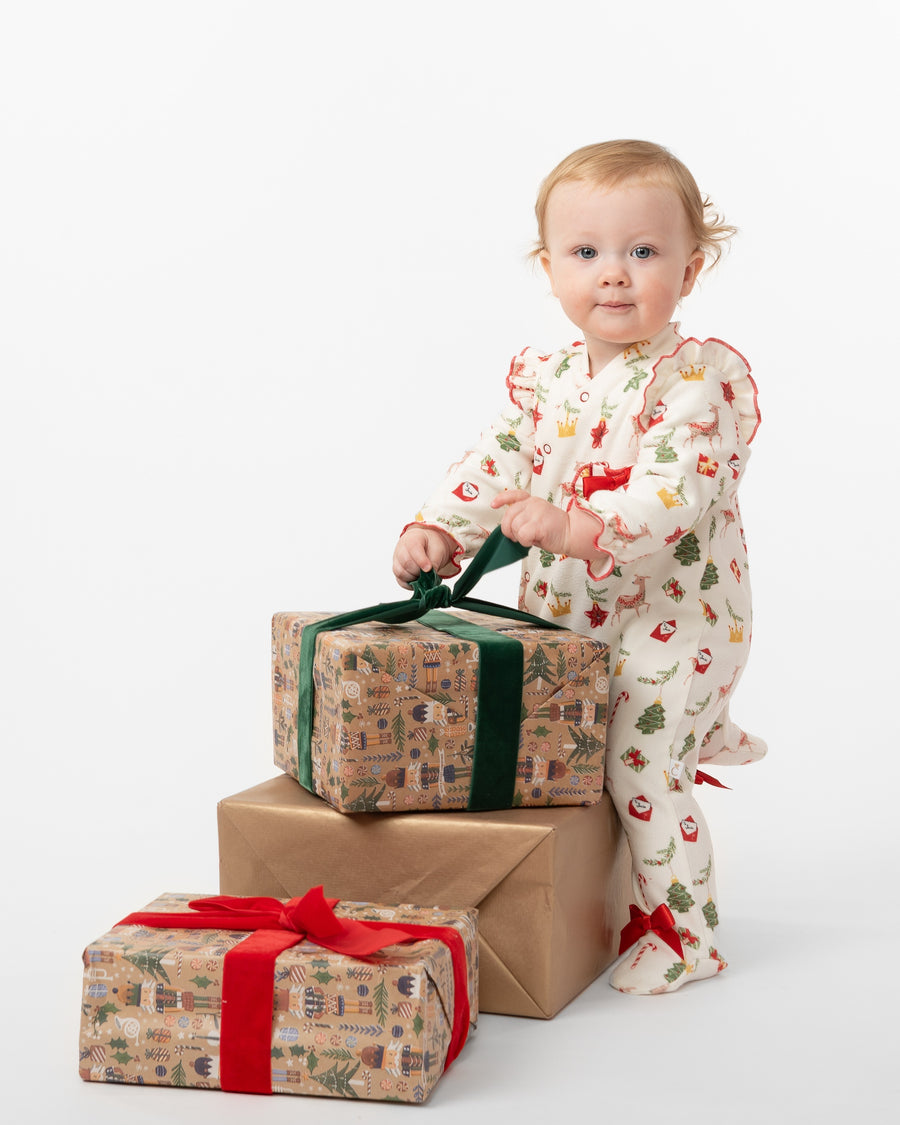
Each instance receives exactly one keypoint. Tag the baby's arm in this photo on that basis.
(421, 549)
(537, 523)
(462, 504)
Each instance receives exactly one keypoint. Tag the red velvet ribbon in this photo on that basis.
(661, 922)
(248, 971)
(701, 778)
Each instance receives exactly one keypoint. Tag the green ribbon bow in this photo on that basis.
(500, 667)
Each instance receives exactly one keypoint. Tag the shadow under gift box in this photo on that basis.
(551, 885)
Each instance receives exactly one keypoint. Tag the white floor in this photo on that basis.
(803, 1019)
(767, 1035)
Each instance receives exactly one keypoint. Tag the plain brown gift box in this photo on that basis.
(551, 885)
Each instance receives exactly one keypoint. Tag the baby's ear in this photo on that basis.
(544, 257)
(692, 271)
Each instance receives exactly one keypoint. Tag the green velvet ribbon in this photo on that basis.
(500, 668)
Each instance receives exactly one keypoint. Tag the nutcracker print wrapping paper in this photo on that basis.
(381, 1026)
(396, 705)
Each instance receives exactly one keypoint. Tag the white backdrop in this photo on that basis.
(254, 256)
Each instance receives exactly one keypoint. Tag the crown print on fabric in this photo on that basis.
(567, 428)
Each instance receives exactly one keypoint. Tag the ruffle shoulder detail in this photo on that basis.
(526, 369)
(521, 380)
(693, 359)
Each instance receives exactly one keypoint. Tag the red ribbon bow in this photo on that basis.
(248, 970)
(661, 922)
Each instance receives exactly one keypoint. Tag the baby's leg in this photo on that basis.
(651, 767)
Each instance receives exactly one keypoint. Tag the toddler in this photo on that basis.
(618, 464)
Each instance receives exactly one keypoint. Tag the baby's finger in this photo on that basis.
(403, 575)
(509, 496)
(406, 566)
(419, 557)
(515, 523)
(524, 532)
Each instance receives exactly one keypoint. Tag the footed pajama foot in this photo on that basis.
(651, 968)
(657, 961)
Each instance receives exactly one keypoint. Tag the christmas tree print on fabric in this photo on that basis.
(653, 717)
(710, 575)
(687, 550)
(710, 912)
(678, 896)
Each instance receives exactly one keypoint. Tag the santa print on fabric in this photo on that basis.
(466, 491)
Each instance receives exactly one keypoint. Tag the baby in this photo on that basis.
(618, 465)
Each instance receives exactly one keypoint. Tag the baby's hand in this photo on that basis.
(421, 549)
(531, 521)
(537, 523)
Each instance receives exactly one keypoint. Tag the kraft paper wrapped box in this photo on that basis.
(551, 885)
(402, 708)
(396, 709)
(177, 1005)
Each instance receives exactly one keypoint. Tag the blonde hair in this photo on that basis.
(612, 163)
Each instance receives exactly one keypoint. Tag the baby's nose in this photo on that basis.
(611, 272)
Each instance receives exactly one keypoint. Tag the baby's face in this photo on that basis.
(618, 260)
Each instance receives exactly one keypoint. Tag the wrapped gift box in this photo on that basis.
(395, 712)
(551, 885)
(334, 1024)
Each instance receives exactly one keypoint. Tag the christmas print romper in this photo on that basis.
(654, 446)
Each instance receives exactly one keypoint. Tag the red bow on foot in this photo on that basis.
(661, 922)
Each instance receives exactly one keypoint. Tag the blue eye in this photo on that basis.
(586, 253)
(642, 253)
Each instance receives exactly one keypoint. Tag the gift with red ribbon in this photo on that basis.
(244, 1013)
(661, 922)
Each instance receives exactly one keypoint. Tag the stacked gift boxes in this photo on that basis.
(551, 885)
(492, 732)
